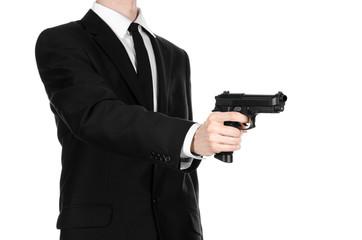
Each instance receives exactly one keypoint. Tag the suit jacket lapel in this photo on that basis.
(115, 50)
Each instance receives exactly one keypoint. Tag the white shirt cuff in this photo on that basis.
(186, 154)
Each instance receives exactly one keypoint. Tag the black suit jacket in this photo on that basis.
(121, 176)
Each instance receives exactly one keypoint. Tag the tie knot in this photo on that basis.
(133, 27)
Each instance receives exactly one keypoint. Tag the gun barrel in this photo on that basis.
(248, 102)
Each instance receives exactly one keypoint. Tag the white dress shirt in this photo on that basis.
(119, 25)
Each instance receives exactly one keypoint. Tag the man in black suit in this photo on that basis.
(122, 103)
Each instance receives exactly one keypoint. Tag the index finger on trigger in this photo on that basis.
(237, 117)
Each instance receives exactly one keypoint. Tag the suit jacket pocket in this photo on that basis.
(85, 216)
(196, 223)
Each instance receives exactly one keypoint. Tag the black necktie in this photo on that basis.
(143, 65)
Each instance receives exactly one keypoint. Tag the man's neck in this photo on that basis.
(127, 8)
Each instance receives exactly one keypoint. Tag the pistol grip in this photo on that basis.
(225, 156)
(228, 156)
(233, 124)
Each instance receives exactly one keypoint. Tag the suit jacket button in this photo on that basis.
(158, 156)
(167, 158)
(156, 201)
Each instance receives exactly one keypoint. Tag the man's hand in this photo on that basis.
(213, 137)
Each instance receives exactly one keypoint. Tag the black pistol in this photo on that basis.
(250, 105)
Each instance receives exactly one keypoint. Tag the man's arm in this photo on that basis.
(92, 112)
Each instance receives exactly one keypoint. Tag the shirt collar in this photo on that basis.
(118, 22)
(141, 21)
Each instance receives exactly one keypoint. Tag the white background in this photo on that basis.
(299, 173)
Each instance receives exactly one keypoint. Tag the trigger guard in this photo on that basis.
(249, 126)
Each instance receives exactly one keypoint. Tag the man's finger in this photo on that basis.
(228, 116)
(228, 148)
(228, 140)
(230, 131)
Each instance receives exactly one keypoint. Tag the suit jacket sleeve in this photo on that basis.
(92, 112)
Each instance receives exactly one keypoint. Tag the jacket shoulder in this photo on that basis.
(61, 32)
(56, 29)
(170, 46)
